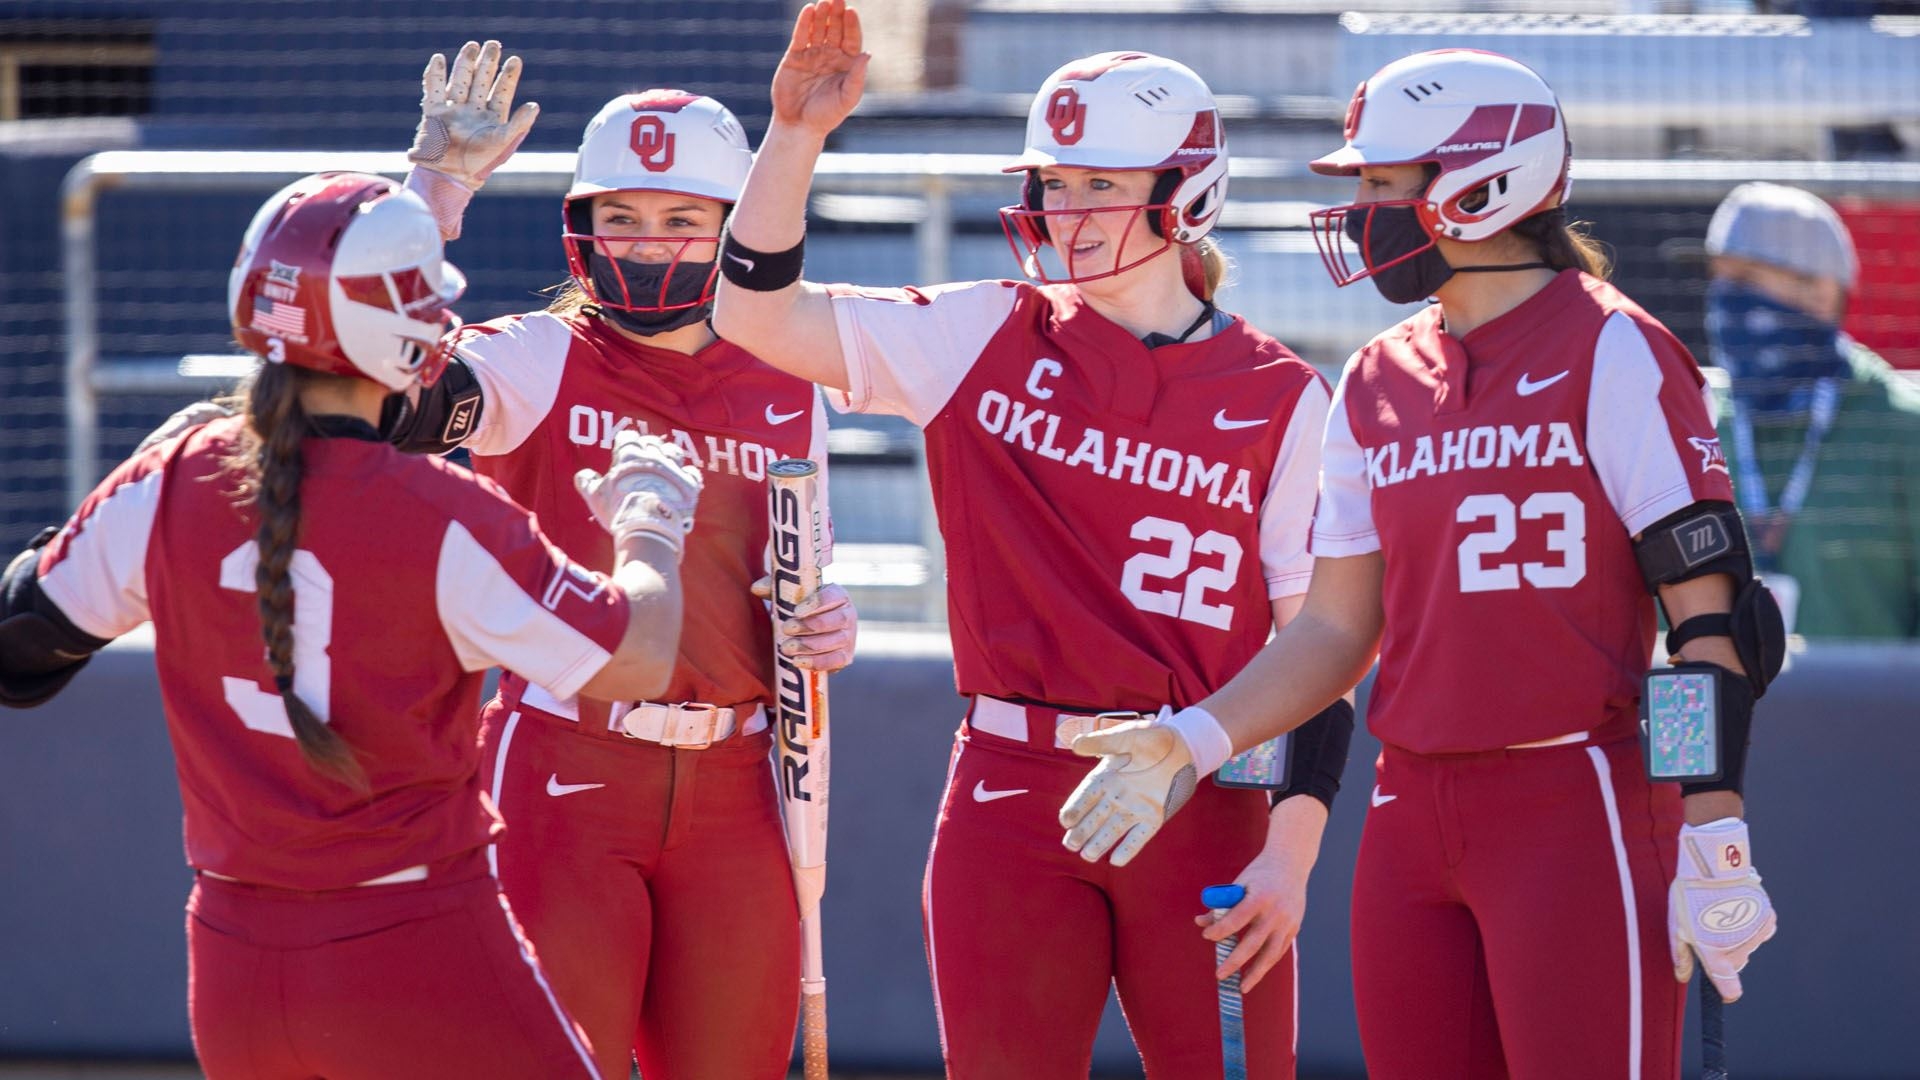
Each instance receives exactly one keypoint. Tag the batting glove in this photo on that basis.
(1716, 909)
(183, 421)
(649, 488)
(1146, 773)
(468, 125)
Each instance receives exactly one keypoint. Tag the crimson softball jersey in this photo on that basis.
(1118, 521)
(1503, 477)
(557, 390)
(1117, 518)
(411, 579)
(1509, 910)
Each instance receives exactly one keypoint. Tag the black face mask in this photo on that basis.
(643, 283)
(1396, 230)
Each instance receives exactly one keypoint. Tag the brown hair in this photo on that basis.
(1215, 266)
(1564, 246)
(267, 466)
(569, 299)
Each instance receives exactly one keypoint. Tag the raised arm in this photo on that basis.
(468, 128)
(762, 305)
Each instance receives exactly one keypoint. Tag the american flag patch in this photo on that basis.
(276, 317)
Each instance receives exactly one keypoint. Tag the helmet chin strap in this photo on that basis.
(1501, 268)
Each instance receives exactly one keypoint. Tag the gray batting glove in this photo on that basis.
(185, 420)
(649, 488)
(468, 125)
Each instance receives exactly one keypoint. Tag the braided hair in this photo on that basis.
(268, 466)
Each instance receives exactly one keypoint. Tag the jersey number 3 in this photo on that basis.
(1190, 602)
(1570, 540)
(312, 667)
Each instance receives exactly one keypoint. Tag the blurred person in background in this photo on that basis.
(645, 851)
(1821, 435)
(344, 921)
(1124, 477)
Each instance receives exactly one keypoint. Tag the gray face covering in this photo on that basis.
(659, 289)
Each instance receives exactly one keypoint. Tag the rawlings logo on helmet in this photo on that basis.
(1067, 116)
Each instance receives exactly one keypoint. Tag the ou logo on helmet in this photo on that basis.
(651, 142)
(1067, 116)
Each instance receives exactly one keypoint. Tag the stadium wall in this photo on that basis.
(93, 964)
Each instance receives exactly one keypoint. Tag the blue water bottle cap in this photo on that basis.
(1222, 896)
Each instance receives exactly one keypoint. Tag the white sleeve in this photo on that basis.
(518, 366)
(1636, 423)
(1343, 521)
(491, 620)
(1286, 514)
(100, 578)
(907, 350)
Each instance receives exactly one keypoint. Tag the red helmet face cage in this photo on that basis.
(579, 239)
(1330, 237)
(1028, 229)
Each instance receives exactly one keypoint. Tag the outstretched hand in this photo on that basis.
(468, 125)
(821, 77)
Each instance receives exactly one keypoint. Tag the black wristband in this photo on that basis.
(761, 271)
(1319, 755)
(1736, 728)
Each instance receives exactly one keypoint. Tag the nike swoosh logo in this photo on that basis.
(981, 794)
(1379, 799)
(1220, 421)
(556, 789)
(781, 418)
(748, 263)
(1528, 388)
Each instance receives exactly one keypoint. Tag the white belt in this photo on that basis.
(689, 725)
(1009, 721)
(1557, 740)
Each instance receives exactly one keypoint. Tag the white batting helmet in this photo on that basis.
(654, 140)
(1487, 122)
(1125, 111)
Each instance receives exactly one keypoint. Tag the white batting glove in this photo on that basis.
(1146, 773)
(468, 125)
(1716, 908)
(649, 488)
(186, 419)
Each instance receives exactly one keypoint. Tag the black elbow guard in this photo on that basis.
(1319, 755)
(1709, 538)
(444, 417)
(40, 648)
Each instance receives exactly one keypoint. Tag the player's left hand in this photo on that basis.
(1266, 920)
(1716, 909)
(1146, 774)
(824, 71)
(820, 637)
(468, 125)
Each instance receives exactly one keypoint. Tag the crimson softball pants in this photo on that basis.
(1024, 937)
(429, 980)
(1509, 917)
(655, 882)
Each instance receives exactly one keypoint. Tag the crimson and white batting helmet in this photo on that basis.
(344, 273)
(1124, 111)
(1491, 127)
(654, 140)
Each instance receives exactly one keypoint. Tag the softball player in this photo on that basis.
(344, 922)
(1124, 477)
(1510, 476)
(632, 824)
